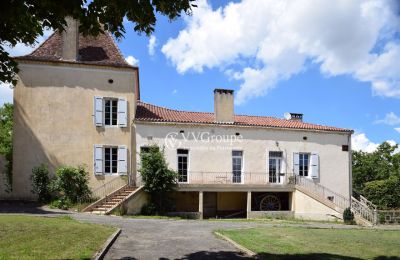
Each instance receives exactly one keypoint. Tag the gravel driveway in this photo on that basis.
(160, 238)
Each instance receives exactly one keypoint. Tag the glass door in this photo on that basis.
(274, 167)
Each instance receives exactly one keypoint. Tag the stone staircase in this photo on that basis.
(106, 205)
(363, 209)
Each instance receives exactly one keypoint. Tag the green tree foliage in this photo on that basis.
(41, 183)
(157, 177)
(6, 130)
(22, 21)
(376, 175)
(71, 183)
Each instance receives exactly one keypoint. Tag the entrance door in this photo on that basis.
(210, 204)
(275, 166)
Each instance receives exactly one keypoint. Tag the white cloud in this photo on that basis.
(175, 91)
(390, 119)
(132, 60)
(152, 45)
(6, 94)
(360, 142)
(397, 129)
(267, 41)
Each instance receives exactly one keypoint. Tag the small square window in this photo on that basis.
(345, 148)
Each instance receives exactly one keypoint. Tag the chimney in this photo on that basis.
(70, 39)
(223, 105)
(294, 116)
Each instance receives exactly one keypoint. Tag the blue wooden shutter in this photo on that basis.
(296, 162)
(122, 113)
(314, 166)
(122, 160)
(98, 111)
(98, 159)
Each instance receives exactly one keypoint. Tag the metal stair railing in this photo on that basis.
(364, 209)
(322, 192)
(101, 192)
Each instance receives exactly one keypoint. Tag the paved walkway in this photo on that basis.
(162, 239)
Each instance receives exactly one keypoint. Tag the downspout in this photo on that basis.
(350, 167)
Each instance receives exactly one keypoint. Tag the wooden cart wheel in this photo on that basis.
(270, 203)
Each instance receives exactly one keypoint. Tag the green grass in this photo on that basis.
(30, 237)
(313, 243)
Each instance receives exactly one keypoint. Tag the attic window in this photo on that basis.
(345, 148)
(111, 81)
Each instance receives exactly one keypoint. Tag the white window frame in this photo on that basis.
(104, 160)
(187, 163)
(308, 166)
(282, 164)
(105, 99)
(241, 168)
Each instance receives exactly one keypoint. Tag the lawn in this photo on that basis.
(314, 243)
(29, 237)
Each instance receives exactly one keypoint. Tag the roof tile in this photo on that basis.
(152, 113)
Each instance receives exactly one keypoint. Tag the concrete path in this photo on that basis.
(163, 239)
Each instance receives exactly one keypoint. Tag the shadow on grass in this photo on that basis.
(241, 256)
(24, 207)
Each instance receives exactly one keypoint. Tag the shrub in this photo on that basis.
(348, 216)
(41, 183)
(71, 183)
(149, 209)
(158, 179)
(384, 193)
(61, 203)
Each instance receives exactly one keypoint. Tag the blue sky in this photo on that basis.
(342, 71)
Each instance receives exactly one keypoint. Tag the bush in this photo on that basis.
(41, 183)
(348, 216)
(61, 203)
(158, 179)
(71, 183)
(384, 193)
(149, 209)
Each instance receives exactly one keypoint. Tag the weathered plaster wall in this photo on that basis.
(308, 208)
(53, 117)
(215, 156)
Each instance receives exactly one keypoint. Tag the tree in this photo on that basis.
(22, 21)
(376, 175)
(157, 177)
(6, 130)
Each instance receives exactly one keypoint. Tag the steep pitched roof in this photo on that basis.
(151, 113)
(99, 50)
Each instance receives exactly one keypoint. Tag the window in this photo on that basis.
(110, 160)
(237, 163)
(183, 155)
(274, 169)
(110, 111)
(304, 162)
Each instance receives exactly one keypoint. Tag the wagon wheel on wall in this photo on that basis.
(269, 203)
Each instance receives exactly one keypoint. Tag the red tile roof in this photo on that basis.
(151, 113)
(99, 50)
